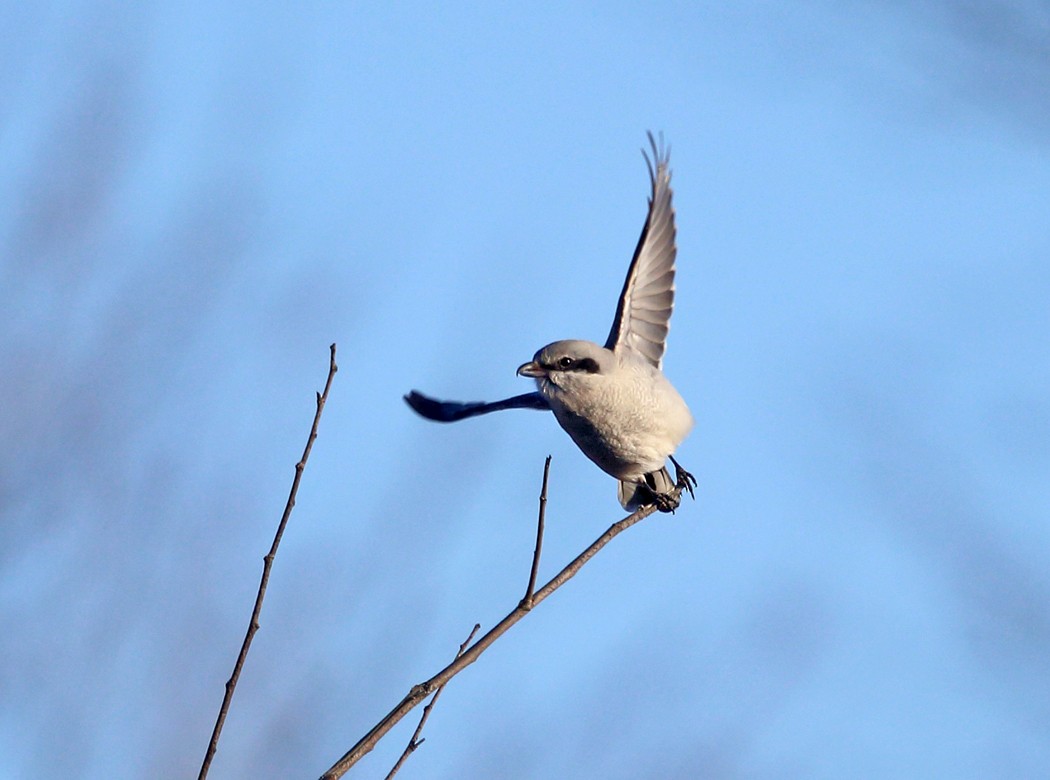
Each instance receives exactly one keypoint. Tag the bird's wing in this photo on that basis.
(451, 411)
(643, 314)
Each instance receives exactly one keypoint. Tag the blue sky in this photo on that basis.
(199, 200)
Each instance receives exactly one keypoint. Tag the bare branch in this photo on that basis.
(422, 690)
(253, 624)
(415, 742)
(527, 601)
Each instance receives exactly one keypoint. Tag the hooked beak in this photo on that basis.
(531, 369)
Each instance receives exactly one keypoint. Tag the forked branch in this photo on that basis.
(415, 741)
(424, 689)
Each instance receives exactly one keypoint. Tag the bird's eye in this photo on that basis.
(565, 362)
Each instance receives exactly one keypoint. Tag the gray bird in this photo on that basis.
(614, 401)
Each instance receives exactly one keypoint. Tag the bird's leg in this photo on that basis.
(683, 479)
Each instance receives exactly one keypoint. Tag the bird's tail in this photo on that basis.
(635, 494)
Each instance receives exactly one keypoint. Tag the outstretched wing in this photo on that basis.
(451, 411)
(643, 314)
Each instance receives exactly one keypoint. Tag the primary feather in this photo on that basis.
(643, 314)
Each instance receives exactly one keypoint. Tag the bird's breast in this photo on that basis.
(628, 423)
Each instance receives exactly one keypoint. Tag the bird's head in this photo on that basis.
(563, 359)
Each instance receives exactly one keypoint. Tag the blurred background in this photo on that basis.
(199, 199)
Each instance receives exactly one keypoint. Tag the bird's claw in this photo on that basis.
(683, 479)
(667, 502)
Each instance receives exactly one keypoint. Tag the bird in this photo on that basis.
(614, 400)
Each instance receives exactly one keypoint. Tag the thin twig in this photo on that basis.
(422, 690)
(253, 624)
(415, 742)
(527, 601)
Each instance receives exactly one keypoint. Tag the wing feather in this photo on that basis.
(451, 411)
(643, 314)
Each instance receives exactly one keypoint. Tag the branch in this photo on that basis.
(415, 742)
(422, 690)
(527, 601)
(253, 624)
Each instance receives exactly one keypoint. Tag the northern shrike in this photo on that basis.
(614, 401)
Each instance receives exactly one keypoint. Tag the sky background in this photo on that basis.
(199, 199)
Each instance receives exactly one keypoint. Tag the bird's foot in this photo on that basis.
(683, 479)
(667, 502)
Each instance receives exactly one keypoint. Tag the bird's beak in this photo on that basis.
(531, 369)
